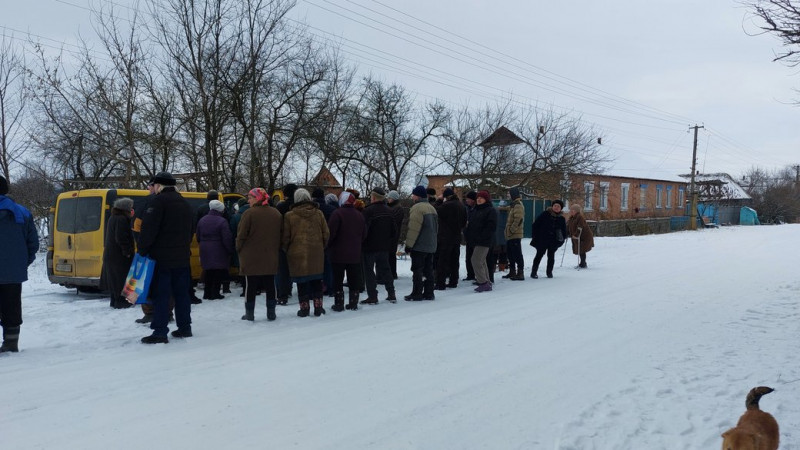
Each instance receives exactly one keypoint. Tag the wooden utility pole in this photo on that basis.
(693, 186)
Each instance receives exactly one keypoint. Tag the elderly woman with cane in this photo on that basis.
(581, 234)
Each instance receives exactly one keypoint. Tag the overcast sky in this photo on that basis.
(643, 72)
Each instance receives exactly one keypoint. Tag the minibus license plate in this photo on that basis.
(64, 267)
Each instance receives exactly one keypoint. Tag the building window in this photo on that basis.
(604, 185)
(623, 200)
(588, 191)
(659, 195)
(642, 196)
(669, 197)
(681, 198)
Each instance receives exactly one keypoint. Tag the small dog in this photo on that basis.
(756, 429)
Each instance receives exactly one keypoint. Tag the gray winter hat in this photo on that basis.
(394, 195)
(301, 195)
(123, 203)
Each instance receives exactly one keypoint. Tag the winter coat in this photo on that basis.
(204, 209)
(482, 226)
(516, 218)
(326, 208)
(452, 220)
(399, 214)
(500, 226)
(138, 214)
(305, 235)
(118, 248)
(546, 229)
(19, 241)
(586, 237)
(234, 222)
(381, 234)
(258, 240)
(215, 240)
(347, 232)
(167, 229)
(288, 199)
(423, 227)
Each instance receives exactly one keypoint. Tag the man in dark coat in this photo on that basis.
(481, 231)
(258, 241)
(283, 282)
(318, 196)
(399, 214)
(452, 220)
(347, 232)
(118, 252)
(381, 236)
(469, 206)
(549, 232)
(166, 237)
(20, 242)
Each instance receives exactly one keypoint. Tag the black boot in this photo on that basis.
(10, 340)
(318, 309)
(249, 311)
(511, 273)
(304, 309)
(391, 297)
(147, 318)
(352, 301)
(271, 309)
(338, 301)
(519, 275)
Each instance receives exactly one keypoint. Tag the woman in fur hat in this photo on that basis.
(118, 251)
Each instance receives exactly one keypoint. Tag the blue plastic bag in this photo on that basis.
(137, 283)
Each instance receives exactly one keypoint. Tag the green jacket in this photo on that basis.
(516, 219)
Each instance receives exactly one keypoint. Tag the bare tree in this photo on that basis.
(12, 105)
(781, 18)
(776, 195)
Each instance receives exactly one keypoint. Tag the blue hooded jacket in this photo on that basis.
(19, 241)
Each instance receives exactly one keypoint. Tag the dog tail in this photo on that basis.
(755, 395)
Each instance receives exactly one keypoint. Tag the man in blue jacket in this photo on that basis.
(19, 241)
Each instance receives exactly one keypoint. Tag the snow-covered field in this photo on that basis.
(654, 346)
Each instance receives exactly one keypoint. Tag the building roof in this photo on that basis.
(501, 136)
(721, 179)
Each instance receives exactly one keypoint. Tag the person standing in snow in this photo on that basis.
(580, 234)
(513, 235)
(398, 217)
(452, 220)
(283, 282)
(305, 235)
(481, 230)
(318, 195)
(423, 227)
(118, 252)
(20, 242)
(347, 231)
(469, 206)
(380, 237)
(258, 241)
(216, 247)
(549, 231)
(166, 237)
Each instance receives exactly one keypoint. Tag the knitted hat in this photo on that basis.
(212, 195)
(332, 199)
(216, 205)
(485, 195)
(3, 185)
(472, 195)
(288, 192)
(448, 192)
(164, 179)
(301, 195)
(394, 195)
(260, 194)
(317, 193)
(123, 203)
(346, 198)
(379, 193)
(513, 193)
(420, 191)
(431, 192)
(560, 203)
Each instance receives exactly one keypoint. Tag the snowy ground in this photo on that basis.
(654, 346)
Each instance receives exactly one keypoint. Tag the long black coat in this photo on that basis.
(347, 232)
(117, 253)
(482, 226)
(452, 220)
(546, 228)
(381, 234)
(167, 229)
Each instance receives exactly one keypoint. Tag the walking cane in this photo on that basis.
(580, 230)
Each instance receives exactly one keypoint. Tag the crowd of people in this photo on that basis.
(321, 243)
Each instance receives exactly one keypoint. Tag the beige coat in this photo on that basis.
(575, 221)
(258, 240)
(516, 220)
(305, 235)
